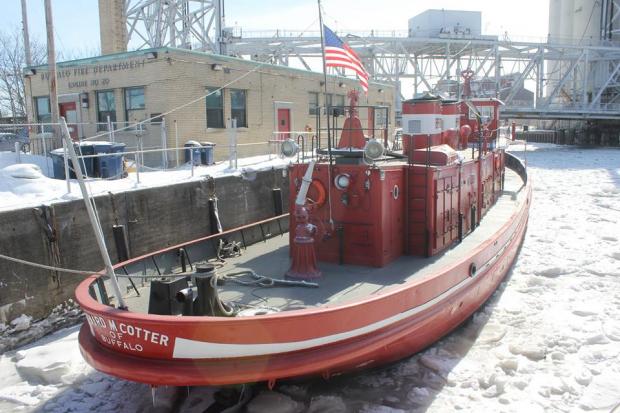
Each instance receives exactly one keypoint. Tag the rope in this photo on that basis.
(48, 267)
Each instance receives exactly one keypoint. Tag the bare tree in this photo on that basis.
(12, 63)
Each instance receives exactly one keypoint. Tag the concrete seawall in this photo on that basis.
(60, 235)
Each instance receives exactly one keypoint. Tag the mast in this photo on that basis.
(51, 67)
(92, 215)
(26, 36)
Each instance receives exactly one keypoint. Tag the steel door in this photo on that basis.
(284, 123)
(69, 112)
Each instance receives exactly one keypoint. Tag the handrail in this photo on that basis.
(198, 241)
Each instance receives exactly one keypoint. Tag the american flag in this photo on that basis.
(339, 54)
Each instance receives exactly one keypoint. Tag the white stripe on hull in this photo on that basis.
(184, 348)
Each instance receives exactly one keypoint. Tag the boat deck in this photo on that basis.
(342, 283)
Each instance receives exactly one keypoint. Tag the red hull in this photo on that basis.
(321, 341)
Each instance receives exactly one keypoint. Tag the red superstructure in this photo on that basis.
(419, 207)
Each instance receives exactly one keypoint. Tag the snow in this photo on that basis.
(21, 323)
(29, 184)
(547, 341)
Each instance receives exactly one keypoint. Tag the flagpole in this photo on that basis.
(323, 52)
(329, 138)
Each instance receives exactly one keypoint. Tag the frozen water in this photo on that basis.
(547, 341)
(273, 402)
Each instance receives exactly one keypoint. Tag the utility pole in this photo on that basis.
(51, 67)
(25, 33)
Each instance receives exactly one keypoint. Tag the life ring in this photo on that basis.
(321, 195)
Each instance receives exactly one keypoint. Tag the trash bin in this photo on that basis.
(206, 153)
(58, 163)
(87, 165)
(194, 154)
(110, 166)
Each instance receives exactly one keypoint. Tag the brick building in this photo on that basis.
(133, 86)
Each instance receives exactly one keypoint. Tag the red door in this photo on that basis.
(68, 111)
(284, 123)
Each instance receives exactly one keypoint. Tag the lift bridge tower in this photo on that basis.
(140, 24)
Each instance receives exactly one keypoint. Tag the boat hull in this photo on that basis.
(322, 341)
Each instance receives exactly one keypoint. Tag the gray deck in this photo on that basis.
(343, 283)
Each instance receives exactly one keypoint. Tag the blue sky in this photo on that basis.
(77, 22)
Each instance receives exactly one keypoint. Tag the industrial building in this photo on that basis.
(130, 87)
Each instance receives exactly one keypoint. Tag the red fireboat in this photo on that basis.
(387, 252)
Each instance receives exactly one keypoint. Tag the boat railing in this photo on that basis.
(307, 141)
(173, 261)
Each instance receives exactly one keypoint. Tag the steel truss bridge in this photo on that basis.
(569, 80)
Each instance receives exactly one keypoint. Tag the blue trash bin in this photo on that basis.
(193, 152)
(58, 161)
(206, 153)
(110, 164)
(87, 164)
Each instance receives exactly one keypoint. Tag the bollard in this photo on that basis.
(232, 143)
(18, 152)
(191, 161)
(164, 144)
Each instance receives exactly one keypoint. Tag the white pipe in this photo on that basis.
(176, 141)
(305, 184)
(91, 215)
(65, 161)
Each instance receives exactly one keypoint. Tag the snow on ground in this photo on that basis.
(548, 340)
(28, 183)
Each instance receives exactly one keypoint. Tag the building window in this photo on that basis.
(134, 100)
(106, 107)
(215, 108)
(44, 113)
(238, 107)
(329, 98)
(313, 103)
(338, 100)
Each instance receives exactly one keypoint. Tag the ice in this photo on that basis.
(492, 333)
(327, 404)
(602, 393)
(21, 323)
(418, 394)
(273, 402)
(612, 329)
(553, 272)
(49, 364)
(529, 350)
